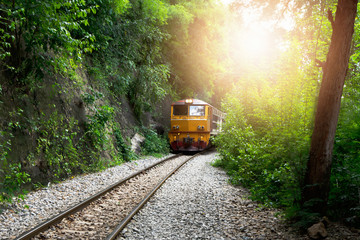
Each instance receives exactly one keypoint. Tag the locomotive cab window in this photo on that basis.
(179, 110)
(197, 110)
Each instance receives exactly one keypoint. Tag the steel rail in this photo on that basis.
(136, 209)
(58, 218)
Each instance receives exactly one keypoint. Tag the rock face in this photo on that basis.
(136, 143)
(59, 113)
(317, 231)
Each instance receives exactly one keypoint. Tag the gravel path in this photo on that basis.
(55, 198)
(198, 203)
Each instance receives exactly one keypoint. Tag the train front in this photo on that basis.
(190, 125)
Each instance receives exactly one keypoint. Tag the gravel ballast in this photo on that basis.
(40, 205)
(196, 203)
(100, 218)
(199, 203)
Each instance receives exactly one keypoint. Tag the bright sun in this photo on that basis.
(255, 41)
(251, 42)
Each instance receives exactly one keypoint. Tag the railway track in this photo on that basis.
(105, 214)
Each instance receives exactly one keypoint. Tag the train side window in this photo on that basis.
(197, 110)
(180, 110)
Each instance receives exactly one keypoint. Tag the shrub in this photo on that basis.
(270, 161)
(123, 149)
(13, 181)
(154, 144)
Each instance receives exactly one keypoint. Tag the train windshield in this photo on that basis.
(197, 110)
(180, 110)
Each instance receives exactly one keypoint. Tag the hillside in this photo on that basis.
(79, 79)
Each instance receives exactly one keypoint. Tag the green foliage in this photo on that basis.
(344, 195)
(150, 84)
(120, 6)
(262, 160)
(116, 47)
(143, 50)
(13, 181)
(43, 27)
(156, 10)
(154, 144)
(266, 137)
(264, 145)
(91, 98)
(129, 54)
(196, 49)
(5, 146)
(123, 149)
(96, 138)
(56, 146)
(120, 43)
(12, 177)
(6, 35)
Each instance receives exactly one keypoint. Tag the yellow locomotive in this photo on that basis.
(192, 123)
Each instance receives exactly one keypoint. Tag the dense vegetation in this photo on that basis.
(72, 74)
(80, 78)
(266, 140)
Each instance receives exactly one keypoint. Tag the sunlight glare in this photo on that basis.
(255, 41)
(252, 42)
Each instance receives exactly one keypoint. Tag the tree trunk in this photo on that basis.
(317, 178)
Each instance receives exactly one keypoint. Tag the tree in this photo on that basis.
(317, 177)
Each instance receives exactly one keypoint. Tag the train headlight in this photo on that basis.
(188, 101)
(175, 137)
(201, 127)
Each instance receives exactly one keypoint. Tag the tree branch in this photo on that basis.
(331, 18)
(320, 63)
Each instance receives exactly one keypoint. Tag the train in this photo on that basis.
(192, 123)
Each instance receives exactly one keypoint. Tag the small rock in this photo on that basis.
(135, 143)
(317, 231)
(325, 221)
